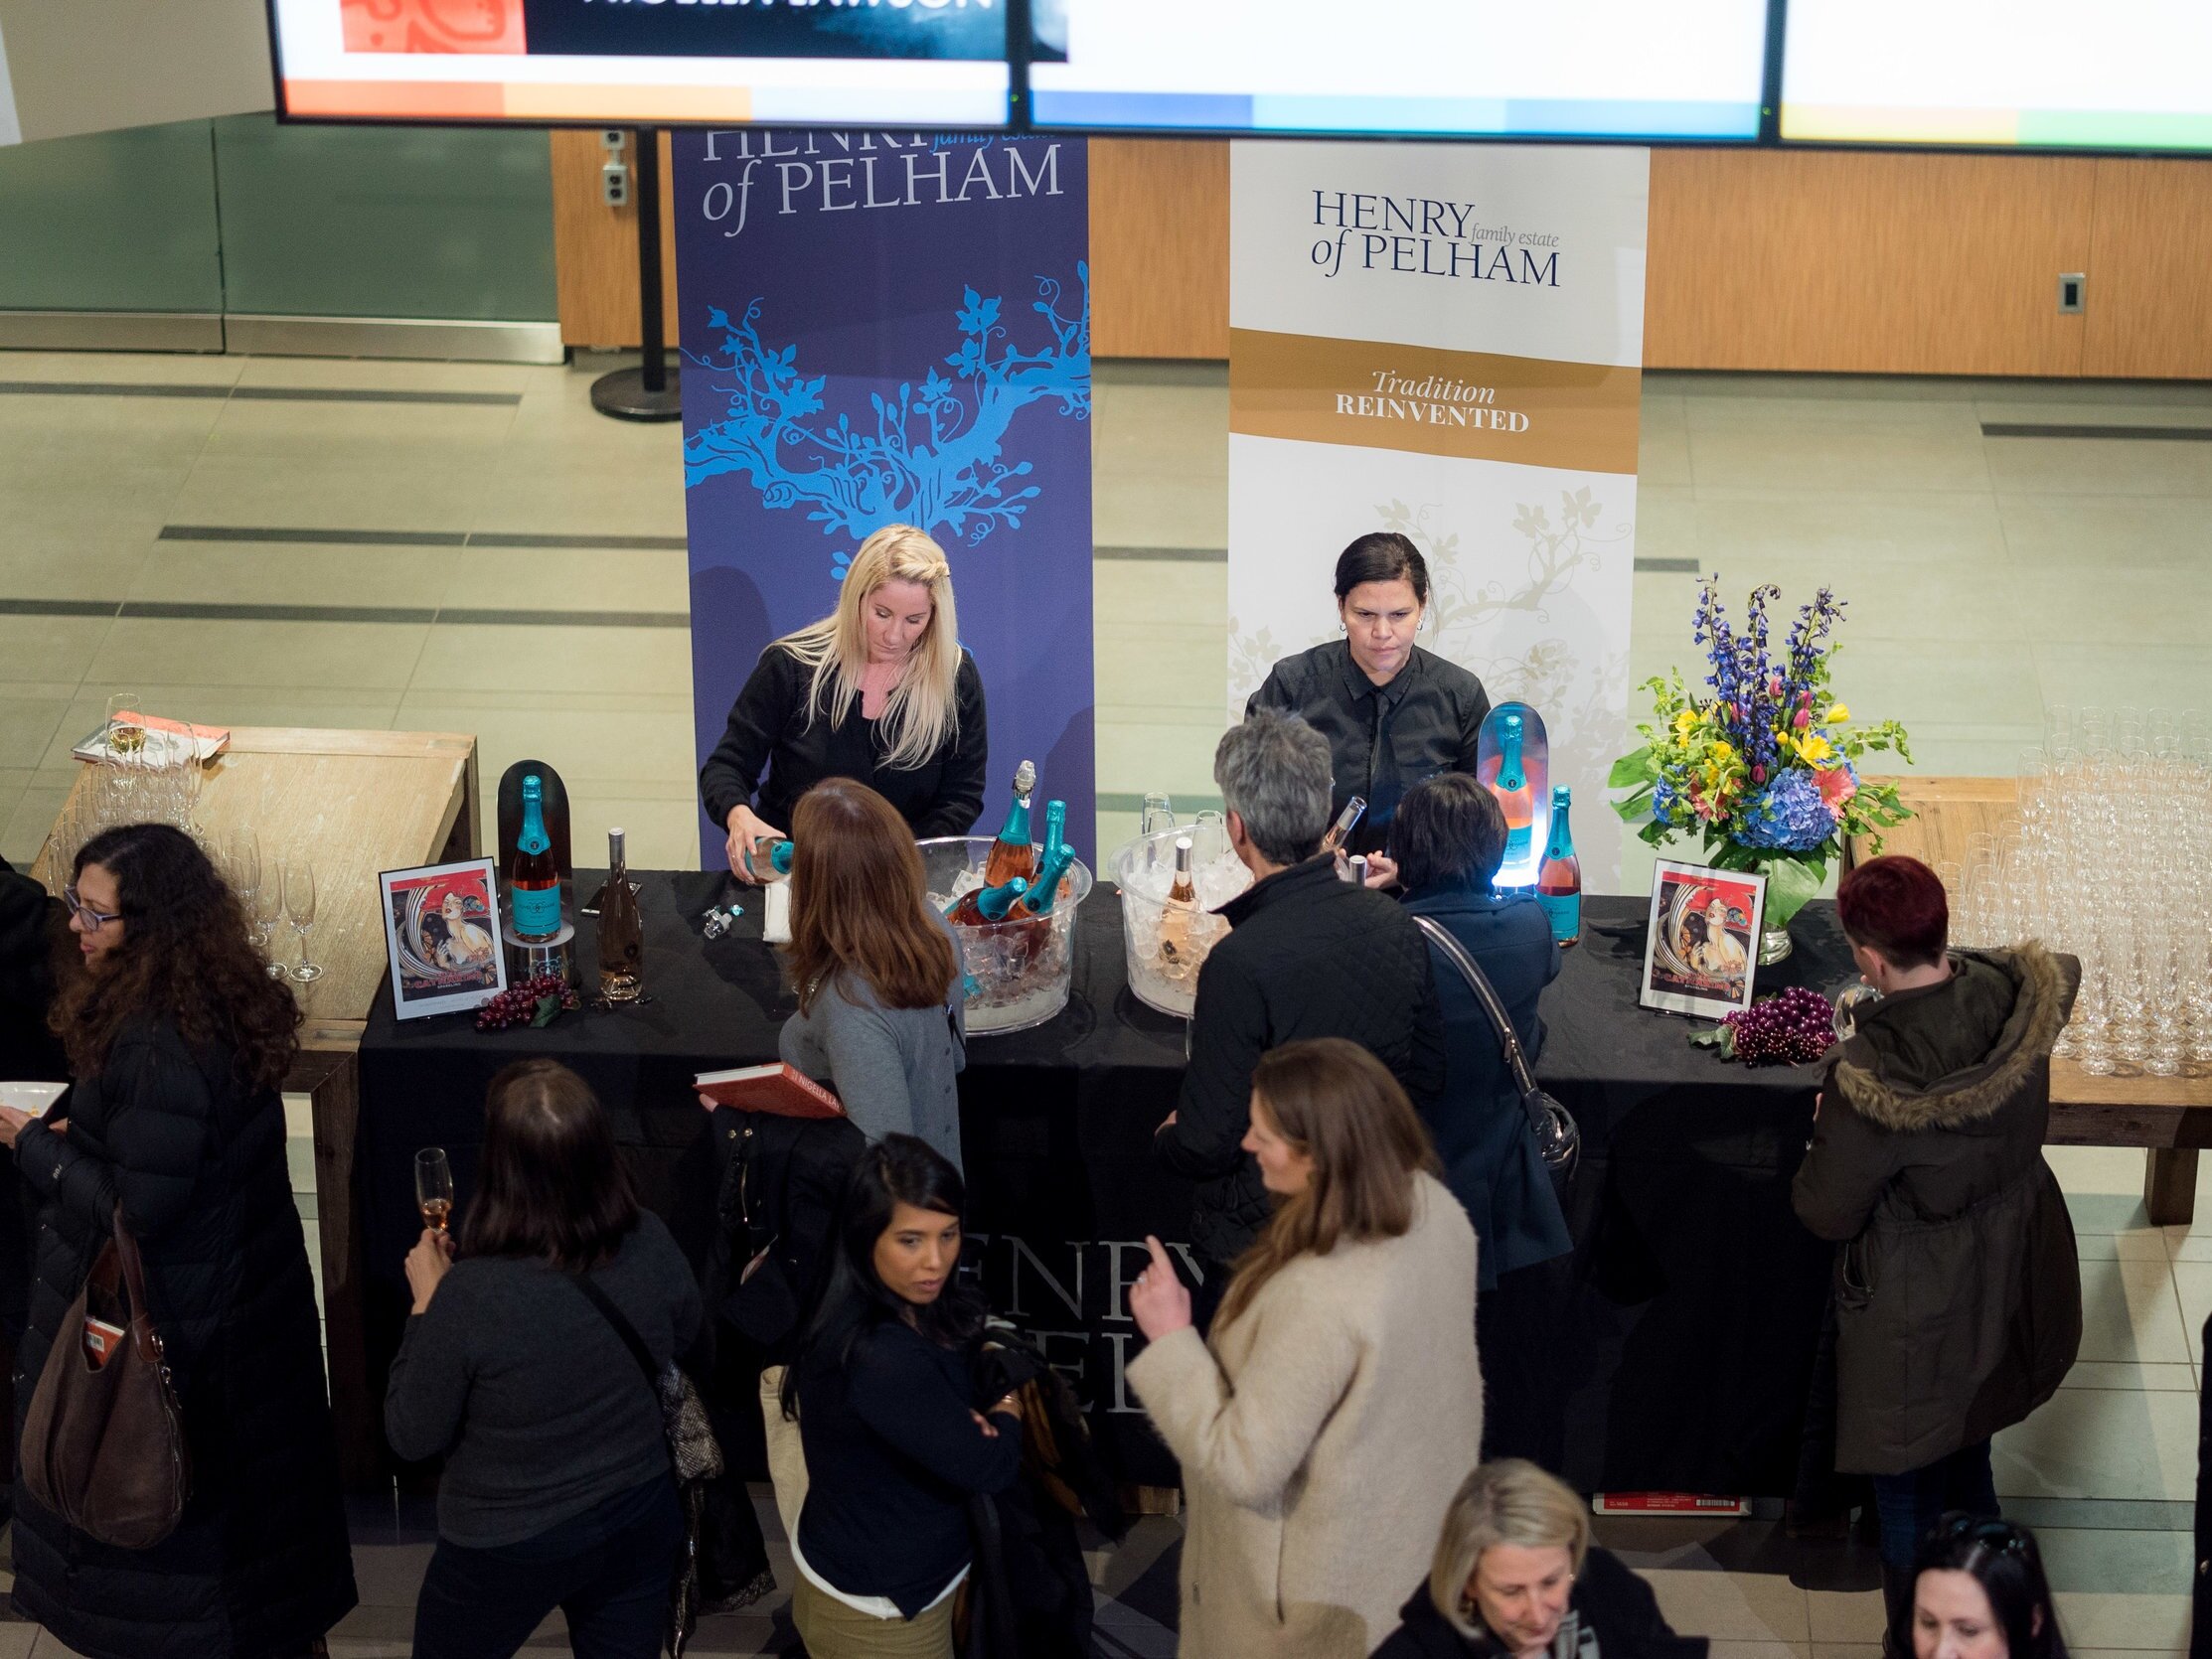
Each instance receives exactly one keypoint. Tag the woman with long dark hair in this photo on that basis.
(881, 1386)
(179, 1041)
(557, 1491)
(1325, 1420)
(1980, 1593)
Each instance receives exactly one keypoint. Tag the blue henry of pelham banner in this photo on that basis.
(892, 327)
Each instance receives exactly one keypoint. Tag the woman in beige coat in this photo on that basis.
(1338, 1404)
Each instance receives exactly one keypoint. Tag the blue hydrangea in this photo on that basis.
(1663, 802)
(1788, 816)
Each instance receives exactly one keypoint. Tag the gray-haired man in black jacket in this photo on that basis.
(1310, 956)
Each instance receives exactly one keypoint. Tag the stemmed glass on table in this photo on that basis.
(299, 905)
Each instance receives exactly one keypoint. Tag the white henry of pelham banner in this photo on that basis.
(1445, 340)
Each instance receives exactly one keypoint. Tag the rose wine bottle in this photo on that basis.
(621, 929)
(1511, 789)
(533, 879)
(773, 854)
(985, 905)
(1180, 914)
(1011, 854)
(1340, 830)
(1559, 879)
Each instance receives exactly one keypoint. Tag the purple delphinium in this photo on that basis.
(1742, 678)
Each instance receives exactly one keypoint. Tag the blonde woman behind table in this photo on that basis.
(1323, 1425)
(879, 690)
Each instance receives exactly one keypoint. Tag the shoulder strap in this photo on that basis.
(622, 1328)
(1486, 993)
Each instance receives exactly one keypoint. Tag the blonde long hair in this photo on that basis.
(1339, 1106)
(922, 713)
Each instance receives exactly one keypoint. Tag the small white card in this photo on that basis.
(776, 912)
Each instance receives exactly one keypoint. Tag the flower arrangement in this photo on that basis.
(1763, 768)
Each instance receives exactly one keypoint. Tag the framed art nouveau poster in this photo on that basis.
(1703, 940)
(441, 928)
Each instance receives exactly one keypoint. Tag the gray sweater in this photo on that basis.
(540, 1407)
(893, 1068)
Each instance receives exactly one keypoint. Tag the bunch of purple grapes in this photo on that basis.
(518, 1004)
(1791, 1028)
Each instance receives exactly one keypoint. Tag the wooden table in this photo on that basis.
(352, 803)
(2169, 1115)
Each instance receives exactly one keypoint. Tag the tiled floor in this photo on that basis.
(330, 559)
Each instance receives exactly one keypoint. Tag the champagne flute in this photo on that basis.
(299, 904)
(434, 1187)
(124, 734)
(268, 910)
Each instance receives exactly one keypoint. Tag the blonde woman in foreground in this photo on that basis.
(1324, 1425)
(1516, 1577)
(879, 691)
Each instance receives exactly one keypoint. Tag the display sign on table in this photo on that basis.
(941, 63)
(892, 327)
(441, 929)
(1703, 935)
(1445, 341)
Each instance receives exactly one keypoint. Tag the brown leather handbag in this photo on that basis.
(103, 1444)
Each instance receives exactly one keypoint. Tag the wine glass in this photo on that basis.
(124, 734)
(268, 910)
(434, 1187)
(299, 905)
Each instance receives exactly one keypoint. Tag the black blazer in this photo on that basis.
(769, 728)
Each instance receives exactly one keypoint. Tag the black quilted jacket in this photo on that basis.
(260, 1564)
(1309, 956)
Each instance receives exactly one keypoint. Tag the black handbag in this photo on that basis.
(693, 1451)
(1558, 1136)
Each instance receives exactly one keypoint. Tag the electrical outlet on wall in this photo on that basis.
(2072, 291)
(614, 184)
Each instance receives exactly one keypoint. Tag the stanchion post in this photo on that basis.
(649, 391)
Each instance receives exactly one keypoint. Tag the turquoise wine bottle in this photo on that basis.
(988, 904)
(777, 856)
(532, 879)
(1511, 789)
(1038, 900)
(1011, 854)
(1559, 880)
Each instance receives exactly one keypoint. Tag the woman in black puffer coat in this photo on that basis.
(179, 1040)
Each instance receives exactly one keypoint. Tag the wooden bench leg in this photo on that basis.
(2169, 1185)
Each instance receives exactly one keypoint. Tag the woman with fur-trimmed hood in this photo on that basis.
(1958, 1295)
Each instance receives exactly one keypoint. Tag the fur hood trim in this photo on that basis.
(1968, 1096)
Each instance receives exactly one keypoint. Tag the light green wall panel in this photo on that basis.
(386, 222)
(112, 221)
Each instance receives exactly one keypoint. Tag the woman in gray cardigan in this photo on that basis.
(876, 969)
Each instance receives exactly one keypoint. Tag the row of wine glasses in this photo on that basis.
(2112, 864)
(272, 889)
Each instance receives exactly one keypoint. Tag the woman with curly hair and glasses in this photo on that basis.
(180, 1041)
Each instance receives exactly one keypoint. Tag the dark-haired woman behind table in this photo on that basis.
(882, 1386)
(556, 1490)
(1393, 713)
(180, 1041)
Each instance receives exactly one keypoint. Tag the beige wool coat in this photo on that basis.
(1321, 1435)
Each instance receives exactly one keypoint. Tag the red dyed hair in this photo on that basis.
(1896, 905)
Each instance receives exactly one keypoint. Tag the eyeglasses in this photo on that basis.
(84, 912)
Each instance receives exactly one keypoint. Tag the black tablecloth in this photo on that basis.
(1695, 1299)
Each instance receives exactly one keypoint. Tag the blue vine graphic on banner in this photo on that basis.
(935, 454)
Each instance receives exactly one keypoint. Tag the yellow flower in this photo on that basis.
(1814, 749)
(1722, 753)
(1685, 722)
(1837, 715)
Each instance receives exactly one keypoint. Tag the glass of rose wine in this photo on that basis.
(434, 1187)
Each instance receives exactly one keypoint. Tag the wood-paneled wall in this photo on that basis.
(1815, 260)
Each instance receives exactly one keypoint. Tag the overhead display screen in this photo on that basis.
(2120, 75)
(1687, 69)
(792, 62)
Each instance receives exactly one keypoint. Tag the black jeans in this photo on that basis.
(609, 1570)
